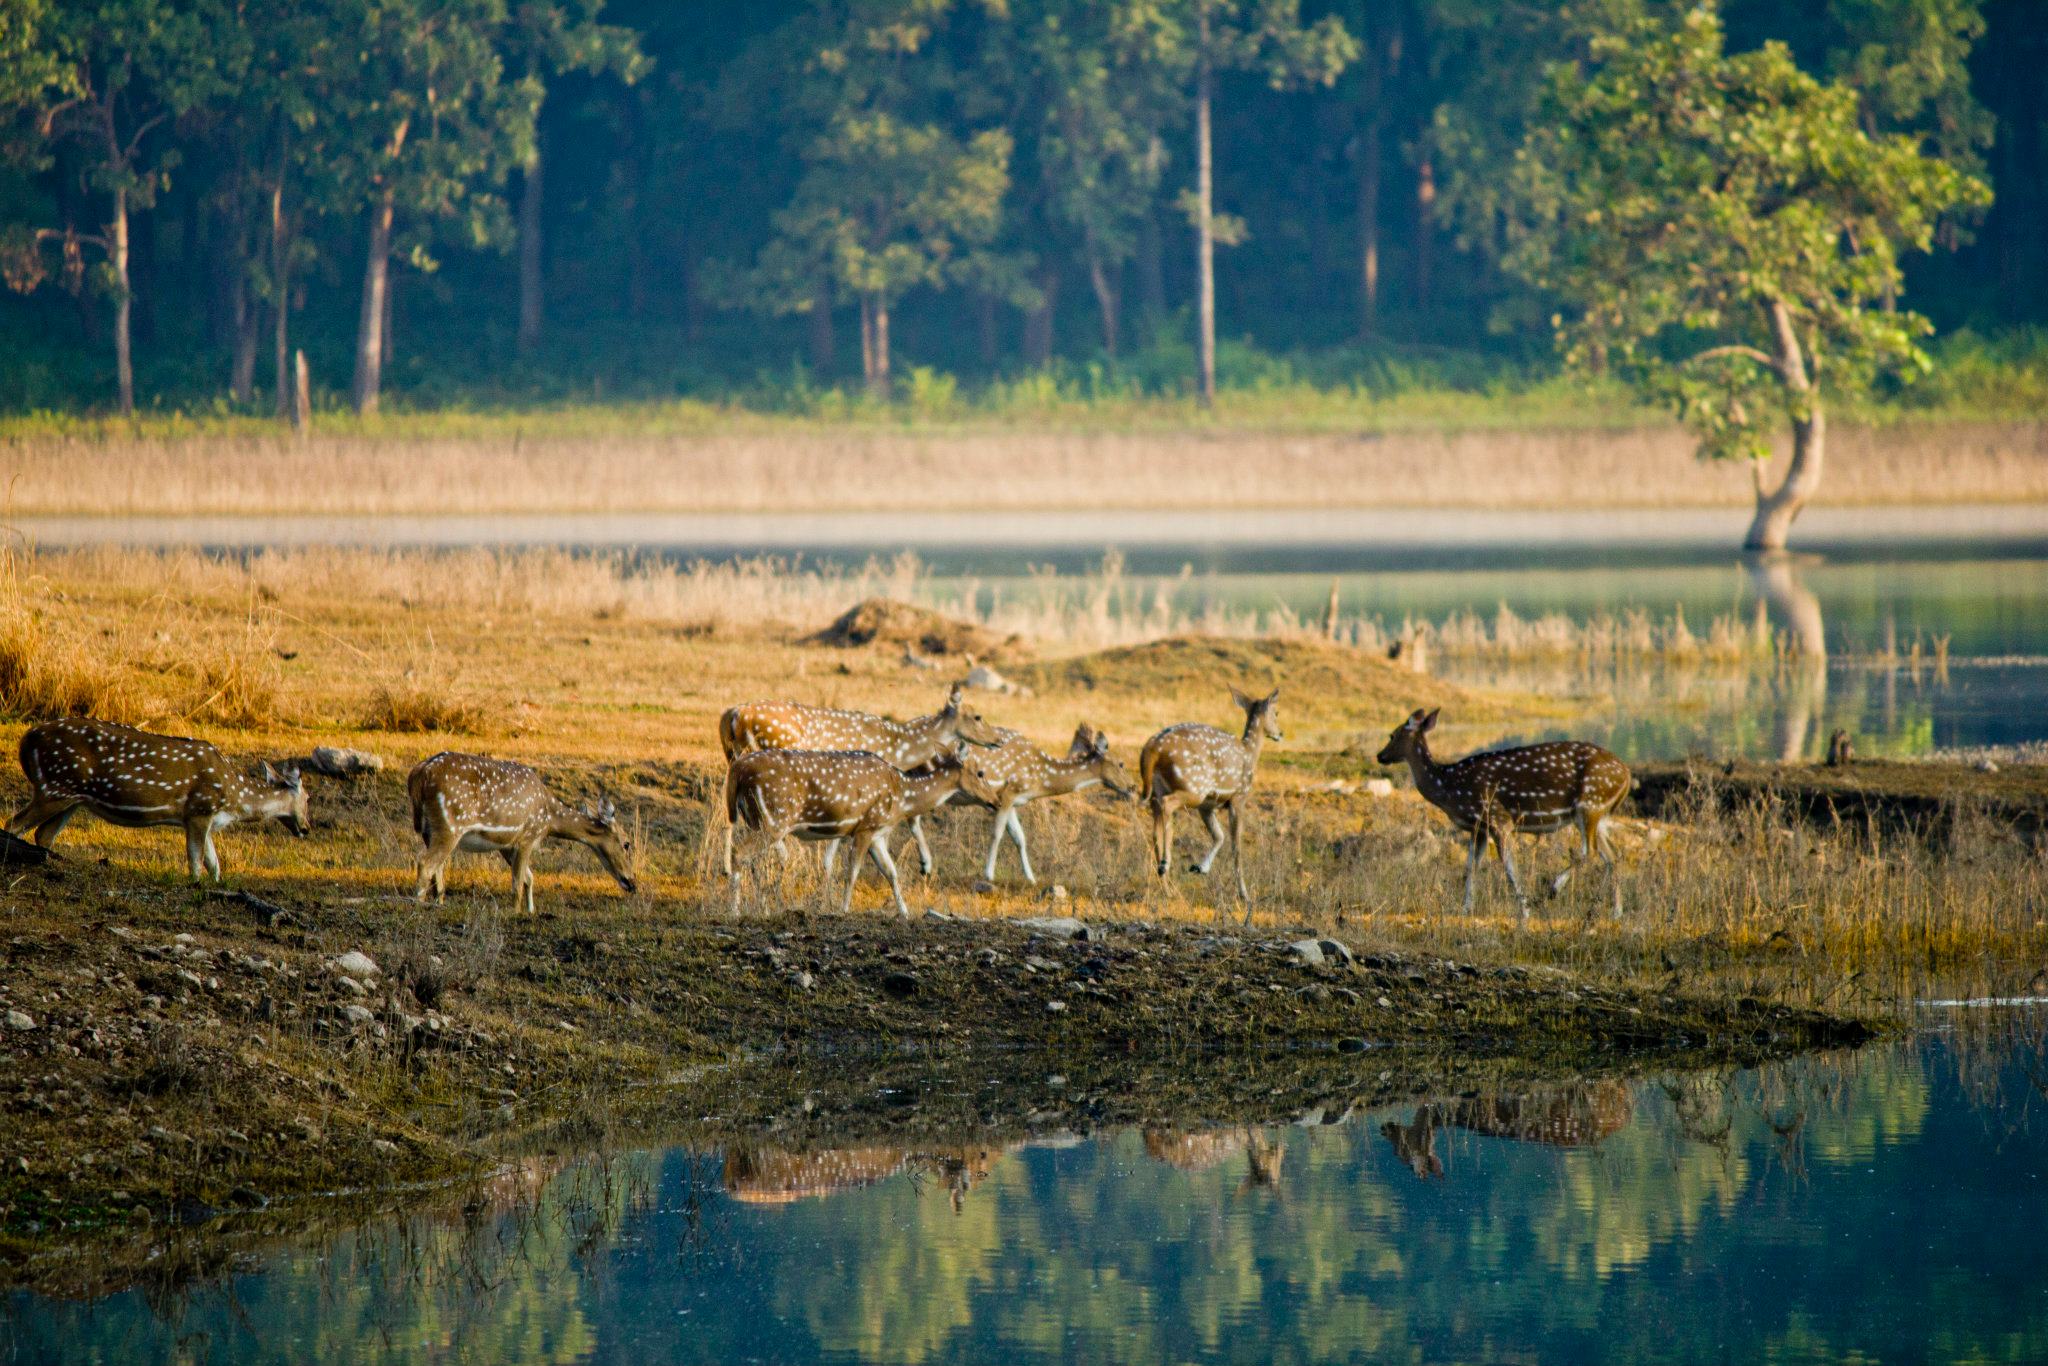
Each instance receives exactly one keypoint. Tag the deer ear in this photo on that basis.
(1241, 699)
(1429, 721)
(1272, 697)
(269, 773)
(292, 775)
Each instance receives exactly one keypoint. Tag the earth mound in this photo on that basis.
(918, 629)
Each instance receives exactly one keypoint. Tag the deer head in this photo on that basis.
(1092, 746)
(598, 827)
(1261, 714)
(285, 799)
(1401, 745)
(966, 722)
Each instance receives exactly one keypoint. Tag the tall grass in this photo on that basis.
(508, 465)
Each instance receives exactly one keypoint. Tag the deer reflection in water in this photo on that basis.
(1577, 1116)
(782, 1176)
(1199, 1150)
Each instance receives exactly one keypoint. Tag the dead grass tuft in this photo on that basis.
(412, 708)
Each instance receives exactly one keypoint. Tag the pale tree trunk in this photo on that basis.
(1205, 240)
(1369, 228)
(390, 353)
(1801, 693)
(822, 358)
(530, 300)
(1425, 202)
(874, 344)
(281, 297)
(1038, 329)
(1777, 508)
(124, 301)
(1151, 251)
(242, 316)
(1102, 282)
(370, 322)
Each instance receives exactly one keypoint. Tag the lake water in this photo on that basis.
(1865, 581)
(1884, 1205)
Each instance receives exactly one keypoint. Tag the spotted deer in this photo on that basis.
(483, 806)
(1022, 772)
(1529, 790)
(1210, 770)
(754, 726)
(836, 795)
(131, 777)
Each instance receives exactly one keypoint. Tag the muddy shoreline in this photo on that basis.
(190, 1065)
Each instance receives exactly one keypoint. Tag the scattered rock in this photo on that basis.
(1377, 787)
(332, 762)
(1308, 951)
(352, 986)
(1055, 1007)
(1060, 927)
(20, 1019)
(358, 1015)
(981, 886)
(803, 981)
(983, 677)
(1335, 951)
(914, 628)
(1987, 765)
(1056, 893)
(354, 963)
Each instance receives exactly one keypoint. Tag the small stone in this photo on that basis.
(1377, 787)
(354, 963)
(1987, 766)
(191, 979)
(181, 939)
(385, 1146)
(1058, 892)
(1386, 1004)
(352, 986)
(357, 1015)
(803, 981)
(1335, 951)
(1308, 951)
(981, 886)
(1351, 1045)
(1058, 926)
(1055, 1007)
(20, 1019)
(936, 914)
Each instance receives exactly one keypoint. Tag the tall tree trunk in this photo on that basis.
(390, 353)
(1151, 250)
(1777, 508)
(144, 277)
(1205, 239)
(1038, 321)
(823, 360)
(280, 294)
(874, 344)
(369, 373)
(1106, 302)
(530, 254)
(1425, 204)
(1369, 228)
(242, 372)
(124, 301)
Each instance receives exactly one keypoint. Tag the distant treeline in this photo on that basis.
(482, 200)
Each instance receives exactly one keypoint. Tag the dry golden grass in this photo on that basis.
(414, 709)
(631, 701)
(807, 468)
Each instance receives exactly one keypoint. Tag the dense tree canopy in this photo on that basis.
(983, 186)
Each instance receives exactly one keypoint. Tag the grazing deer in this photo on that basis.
(1203, 767)
(1531, 790)
(1022, 772)
(755, 726)
(130, 777)
(838, 795)
(466, 801)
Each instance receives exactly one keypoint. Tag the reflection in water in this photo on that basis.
(1803, 683)
(1731, 1216)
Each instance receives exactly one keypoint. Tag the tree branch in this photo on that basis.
(1746, 352)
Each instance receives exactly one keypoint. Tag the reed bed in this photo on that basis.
(497, 468)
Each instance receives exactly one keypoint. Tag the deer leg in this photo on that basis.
(924, 851)
(1579, 854)
(195, 849)
(521, 860)
(1216, 834)
(1162, 829)
(887, 864)
(1472, 857)
(1237, 862)
(434, 867)
(988, 867)
(1501, 836)
(38, 813)
(853, 873)
(1599, 840)
(1023, 850)
(47, 832)
(212, 854)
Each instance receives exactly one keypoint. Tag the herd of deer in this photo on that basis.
(820, 774)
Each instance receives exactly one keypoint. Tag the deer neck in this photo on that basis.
(254, 801)
(1428, 772)
(1057, 777)
(927, 791)
(1253, 739)
(922, 740)
(565, 822)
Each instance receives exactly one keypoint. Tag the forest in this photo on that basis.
(478, 203)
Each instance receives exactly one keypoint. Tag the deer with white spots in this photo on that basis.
(1210, 770)
(495, 806)
(837, 795)
(130, 777)
(754, 726)
(1528, 790)
(1021, 772)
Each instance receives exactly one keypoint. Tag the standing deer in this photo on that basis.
(1022, 772)
(130, 777)
(1530, 790)
(837, 795)
(755, 726)
(1203, 767)
(1575, 1116)
(469, 802)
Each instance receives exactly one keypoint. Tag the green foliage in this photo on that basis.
(1720, 229)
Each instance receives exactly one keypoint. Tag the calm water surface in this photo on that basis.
(1880, 1206)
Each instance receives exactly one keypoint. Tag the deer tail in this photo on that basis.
(1148, 759)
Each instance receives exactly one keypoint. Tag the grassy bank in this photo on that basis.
(162, 1078)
